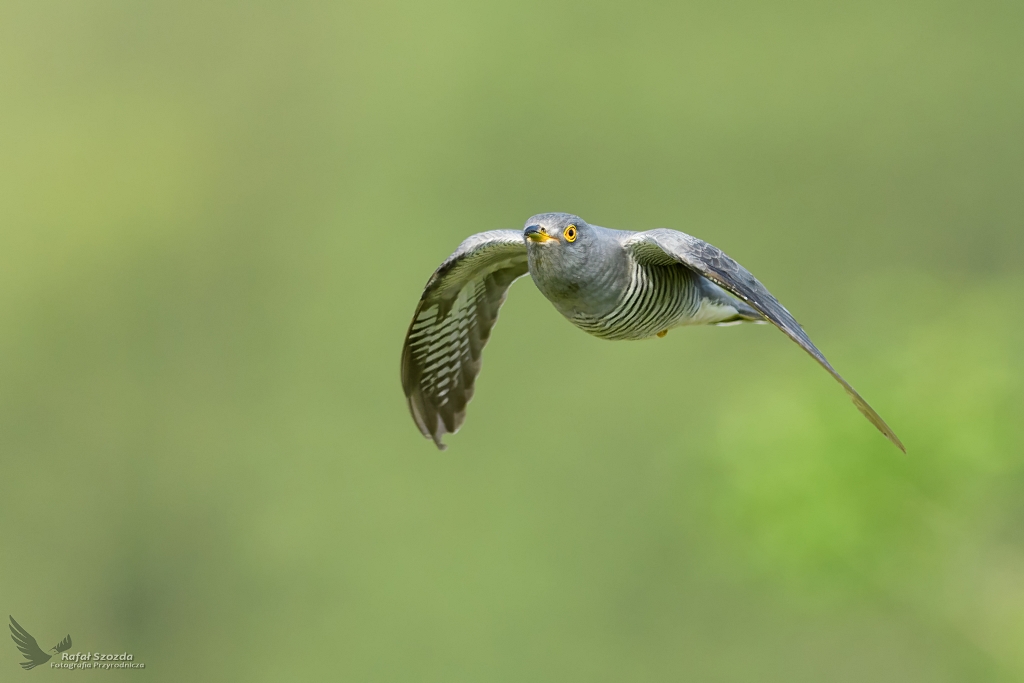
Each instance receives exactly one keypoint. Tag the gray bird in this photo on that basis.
(614, 284)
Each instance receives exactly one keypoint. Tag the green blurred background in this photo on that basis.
(216, 220)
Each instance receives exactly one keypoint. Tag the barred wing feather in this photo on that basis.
(442, 352)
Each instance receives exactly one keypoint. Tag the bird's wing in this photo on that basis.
(441, 356)
(64, 644)
(28, 646)
(655, 246)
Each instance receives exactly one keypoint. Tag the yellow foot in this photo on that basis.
(663, 333)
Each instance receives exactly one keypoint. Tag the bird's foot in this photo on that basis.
(662, 333)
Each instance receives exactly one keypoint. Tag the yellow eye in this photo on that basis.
(570, 233)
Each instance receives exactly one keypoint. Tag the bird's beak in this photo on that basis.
(535, 233)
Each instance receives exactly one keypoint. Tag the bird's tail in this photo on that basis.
(744, 314)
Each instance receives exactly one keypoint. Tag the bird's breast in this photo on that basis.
(653, 299)
(578, 286)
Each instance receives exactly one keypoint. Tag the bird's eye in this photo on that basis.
(570, 233)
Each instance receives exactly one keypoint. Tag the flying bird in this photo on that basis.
(614, 284)
(30, 648)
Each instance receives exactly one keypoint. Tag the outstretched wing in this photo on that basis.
(654, 246)
(28, 646)
(64, 644)
(441, 356)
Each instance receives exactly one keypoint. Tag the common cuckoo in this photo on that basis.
(614, 284)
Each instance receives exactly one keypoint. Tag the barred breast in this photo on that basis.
(656, 298)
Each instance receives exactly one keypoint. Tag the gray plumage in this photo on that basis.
(614, 284)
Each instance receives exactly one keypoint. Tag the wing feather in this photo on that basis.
(711, 262)
(452, 323)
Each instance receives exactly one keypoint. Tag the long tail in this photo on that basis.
(744, 312)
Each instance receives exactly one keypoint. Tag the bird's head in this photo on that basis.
(565, 254)
(563, 249)
(553, 230)
(558, 241)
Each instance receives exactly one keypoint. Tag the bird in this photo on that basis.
(613, 284)
(30, 648)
